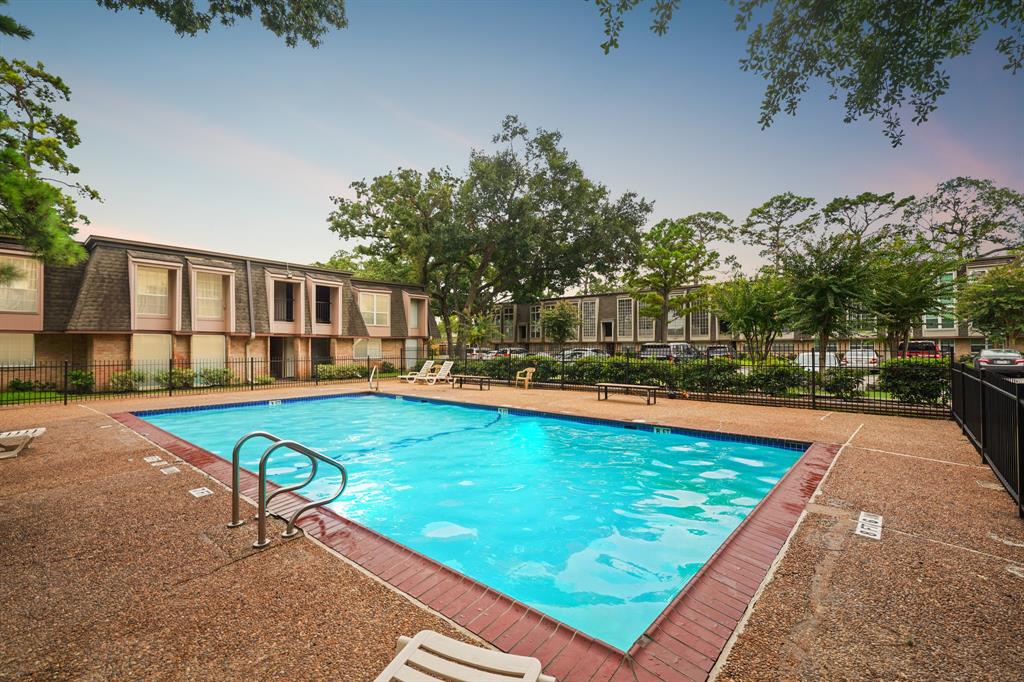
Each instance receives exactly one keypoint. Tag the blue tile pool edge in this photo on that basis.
(783, 443)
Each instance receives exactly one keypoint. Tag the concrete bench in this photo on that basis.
(651, 392)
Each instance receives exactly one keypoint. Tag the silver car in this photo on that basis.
(1002, 360)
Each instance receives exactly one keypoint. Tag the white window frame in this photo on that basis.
(705, 317)
(199, 298)
(363, 349)
(139, 294)
(943, 323)
(30, 276)
(677, 331)
(589, 321)
(534, 330)
(11, 355)
(624, 321)
(645, 328)
(375, 315)
(575, 336)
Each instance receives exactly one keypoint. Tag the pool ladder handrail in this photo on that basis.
(373, 372)
(264, 499)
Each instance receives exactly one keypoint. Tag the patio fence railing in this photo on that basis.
(871, 382)
(989, 408)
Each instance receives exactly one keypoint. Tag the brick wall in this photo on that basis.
(104, 348)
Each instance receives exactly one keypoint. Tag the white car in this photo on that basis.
(862, 358)
(810, 361)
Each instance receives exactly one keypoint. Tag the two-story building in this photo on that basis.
(136, 304)
(612, 322)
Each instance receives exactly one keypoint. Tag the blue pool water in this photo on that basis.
(596, 525)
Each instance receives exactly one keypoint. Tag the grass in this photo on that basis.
(16, 397)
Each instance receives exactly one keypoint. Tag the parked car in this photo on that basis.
(718, 351)
(590, 353)
(683, 351)
(1002, 360)
(510, 352)
(810, 361)
(655, 351)
(862, 358)
(475, 353)
(920, 349)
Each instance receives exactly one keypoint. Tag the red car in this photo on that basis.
(921, 349)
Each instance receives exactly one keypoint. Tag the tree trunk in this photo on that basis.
(823, 341)
(663, 322)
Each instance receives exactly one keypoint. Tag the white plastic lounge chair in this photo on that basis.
(442, 374)
(432, 656)
(413, 377)
(13, 442)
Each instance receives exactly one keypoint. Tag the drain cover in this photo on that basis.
(200, 492)
(152, 458)
(869, 526)
(170, 470)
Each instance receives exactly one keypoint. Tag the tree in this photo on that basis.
(778, 223)
(480, 329)
(867, 214)
(368, 267)
(828, 278)
(676, 254)
(908, 282)
(294, 20)
(994, 303)
(970, 218)
(560, 322)
(755, 307)
(882, 56)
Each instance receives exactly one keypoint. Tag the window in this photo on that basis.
(20, 294)
(376, 309)
(366, 348)
(508, 320)
(151, 352)
(17, 350)
(645, 328)
(861, 322)
(209, 295)
(534, 321)
(209, 350)
(945, 319)
(575, 336)
(624, 317)
(676, 325)
(415, 313)
(588, 315)
(700, 323)
(151, 290)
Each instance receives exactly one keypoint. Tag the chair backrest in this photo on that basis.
(529, 371)
(425, 368)
(445, 368)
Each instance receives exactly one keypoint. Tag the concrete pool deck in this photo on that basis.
(111, 569)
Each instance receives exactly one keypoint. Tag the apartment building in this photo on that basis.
(613, 323)
(139, 303)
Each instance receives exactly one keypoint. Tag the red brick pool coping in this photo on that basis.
(683, 643)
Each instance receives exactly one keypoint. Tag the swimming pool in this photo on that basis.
(595, 524)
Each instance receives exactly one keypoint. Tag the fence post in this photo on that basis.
(170, 376)
(312, 368)
(1019, 428)
(252, 374)
(814, 382)
(562, 373)
(65, 382)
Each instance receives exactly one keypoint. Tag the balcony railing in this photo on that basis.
(323, 312)
(284, 310)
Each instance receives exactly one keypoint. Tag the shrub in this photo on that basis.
(843, 383)
(217, 376)
(175, 378)
(264, 380)
(126, 382)
(916, 380)
(80, 381)
(720, 375)
(347, 371)
(386, 368)
(777, 379)
(21, 384)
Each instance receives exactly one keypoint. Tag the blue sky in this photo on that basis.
(232, 141)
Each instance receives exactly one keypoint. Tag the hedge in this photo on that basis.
(776, 379)
(843, 383)
(921, 381)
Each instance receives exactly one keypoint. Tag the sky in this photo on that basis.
(231, 141)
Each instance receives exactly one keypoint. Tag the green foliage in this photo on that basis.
(674, 254)
(777, 223)
(560, 322)
(915, 380)
(968, 218)
(80, 381)
(177, 378)
(369, 267)
(994, 303)
(755, 308)
(17, 384)
(776, 379)
(479, 330)
(217, 376)
(126, 382)
(10, 27)
(36, 208)
(346, 371)
(719, 375)
(843, 383)
(882, 57)
(295, 20)
(264, 380)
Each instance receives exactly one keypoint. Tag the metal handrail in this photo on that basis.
(264, 499)
(236, 516)
(373, 372)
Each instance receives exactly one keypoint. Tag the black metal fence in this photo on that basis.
(63, 382)
(859, 381)
(989, 408)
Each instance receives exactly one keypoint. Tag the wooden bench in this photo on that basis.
(628, 389)
(459, 380)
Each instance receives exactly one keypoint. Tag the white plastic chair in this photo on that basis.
(432, 656)
(13, 442)
(413, 377)
(442, 374)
